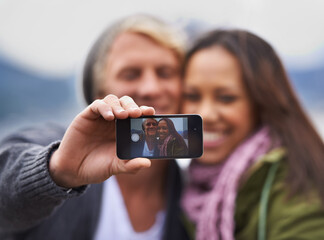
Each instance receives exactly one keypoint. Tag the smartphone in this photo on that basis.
(160, 137)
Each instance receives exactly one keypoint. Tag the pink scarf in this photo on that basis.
(164, 145)
(209, 199)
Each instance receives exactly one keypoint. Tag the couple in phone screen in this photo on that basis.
(159, 138)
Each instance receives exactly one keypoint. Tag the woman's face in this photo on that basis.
(214, 89)
(163, 130)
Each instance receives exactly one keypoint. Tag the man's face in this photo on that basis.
(144, 70)
(150, 126)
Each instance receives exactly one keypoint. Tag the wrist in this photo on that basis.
(58, 176)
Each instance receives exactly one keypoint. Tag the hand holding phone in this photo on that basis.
(159, 137)
(87, 152)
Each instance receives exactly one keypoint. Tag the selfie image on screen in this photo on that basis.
(159, 137)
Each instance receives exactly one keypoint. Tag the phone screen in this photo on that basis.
(160, 136)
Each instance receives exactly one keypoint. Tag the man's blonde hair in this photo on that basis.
(157, 30)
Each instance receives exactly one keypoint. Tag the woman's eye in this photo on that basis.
(227, 98)
(193, 97)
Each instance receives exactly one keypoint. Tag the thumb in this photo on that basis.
(134, 165)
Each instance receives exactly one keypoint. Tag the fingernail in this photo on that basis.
(120, 110)
(110, 113)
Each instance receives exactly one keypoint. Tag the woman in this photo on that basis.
(170, 142)
(261, 174)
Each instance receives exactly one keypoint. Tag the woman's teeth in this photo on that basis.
(212, 136)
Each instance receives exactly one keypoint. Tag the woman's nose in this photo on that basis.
(209, 111)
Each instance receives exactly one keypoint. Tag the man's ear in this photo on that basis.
(100, 95)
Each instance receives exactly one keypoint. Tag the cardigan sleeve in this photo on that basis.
(27, 193)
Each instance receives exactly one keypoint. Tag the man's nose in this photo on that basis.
(150, 84)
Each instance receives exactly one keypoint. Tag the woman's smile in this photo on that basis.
(163, 130)
(214, 89)
(213, 139)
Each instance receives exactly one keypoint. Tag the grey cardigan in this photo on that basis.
(33, 207)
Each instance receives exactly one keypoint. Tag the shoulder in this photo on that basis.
(173, 140)
(295, 216)
(286, 217)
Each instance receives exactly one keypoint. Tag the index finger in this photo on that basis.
(130, 106)
(147, 110)
(118, 110)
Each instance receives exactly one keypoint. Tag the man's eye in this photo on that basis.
(193, 97)
(166, 72)
(130, 75)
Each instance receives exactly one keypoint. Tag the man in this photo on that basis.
(146, 144)
(44, 181)
(150, 126)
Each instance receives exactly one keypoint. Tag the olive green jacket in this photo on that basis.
(176, 148)
(298, 217)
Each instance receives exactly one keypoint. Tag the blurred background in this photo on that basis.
(43, 45)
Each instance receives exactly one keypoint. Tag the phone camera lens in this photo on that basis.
(135, 137)
(195, 129)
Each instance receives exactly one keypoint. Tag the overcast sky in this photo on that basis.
(53, 36)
